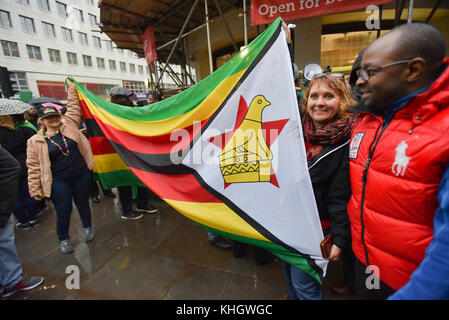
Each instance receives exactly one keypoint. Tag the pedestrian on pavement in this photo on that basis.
(399, 155)
(59, 161)
(11, 280)
(121, 96)
(326, 127)
(14, 133)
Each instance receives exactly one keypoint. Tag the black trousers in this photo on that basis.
(368, 287)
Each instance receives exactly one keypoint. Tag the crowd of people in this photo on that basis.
(377, 158)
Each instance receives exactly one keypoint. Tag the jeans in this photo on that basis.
(125, 195)
(10, 265)
(300, 285)
(62, 192)
(25, 208)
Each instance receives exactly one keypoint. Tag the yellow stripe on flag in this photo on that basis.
(161, 127)
(217, 216)
(109, 162)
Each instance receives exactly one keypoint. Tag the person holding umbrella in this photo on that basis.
(59, 161)
(14, 133)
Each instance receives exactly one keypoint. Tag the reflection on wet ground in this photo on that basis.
(161, 256)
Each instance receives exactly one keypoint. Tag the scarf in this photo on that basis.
(332, 133)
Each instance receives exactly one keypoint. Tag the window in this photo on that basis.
(140, 69)
(43, 4)
(123, 66)
(109, 45)
(97, 42)
(71, 58)
(27, 24)
(100, 63)
(55, 55)
(61, 8)
(10, 48)
(78, 14)
(87, 60)
(91, 2)
(83, 38)
(135, 86)
(49, 29)
(24, 1)
(5, 19)
(132, 67)
(19, 81)
(92, 20)
(112, 65)
(34, 52)
(66, 34)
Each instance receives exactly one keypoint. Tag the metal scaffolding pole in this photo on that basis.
(244, 23)
(177, 40)
(410, 11)
(209, 49)
(227, 26)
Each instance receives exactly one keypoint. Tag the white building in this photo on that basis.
(44, 41)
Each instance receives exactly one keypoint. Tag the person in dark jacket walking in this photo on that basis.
(11, 280)
(327, 128)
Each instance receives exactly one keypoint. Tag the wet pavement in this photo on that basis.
(161, 256)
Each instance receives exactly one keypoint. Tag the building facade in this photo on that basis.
(44, 41)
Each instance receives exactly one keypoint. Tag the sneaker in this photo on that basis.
(33, 223)
(131, 215)
(66, 247)
(23, 226)
(221, 243)
(88, 234)
(147, 209)
(27, 283)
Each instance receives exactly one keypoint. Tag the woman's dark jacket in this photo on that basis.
(329, 173)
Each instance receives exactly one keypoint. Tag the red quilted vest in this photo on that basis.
(395, 174)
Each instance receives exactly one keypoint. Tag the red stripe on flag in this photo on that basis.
(101, 145)
(152, 145)
(180, 187)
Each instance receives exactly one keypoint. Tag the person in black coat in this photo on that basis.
(327, 128)
(14, 133)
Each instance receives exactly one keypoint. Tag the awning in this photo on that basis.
(125, 21)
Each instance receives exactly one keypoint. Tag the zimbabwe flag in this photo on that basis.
(227, 153)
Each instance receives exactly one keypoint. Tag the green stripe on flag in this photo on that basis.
(294, 259)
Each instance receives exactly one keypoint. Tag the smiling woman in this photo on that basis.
(59, 160)
(327, 128)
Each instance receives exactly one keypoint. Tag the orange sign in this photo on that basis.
(266, 11)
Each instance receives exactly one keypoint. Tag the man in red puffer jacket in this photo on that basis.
(399, 152)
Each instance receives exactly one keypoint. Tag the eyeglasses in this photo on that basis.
(366, 74)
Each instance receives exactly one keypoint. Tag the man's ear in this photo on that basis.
(415, 70)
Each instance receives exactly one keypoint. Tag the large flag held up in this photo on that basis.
(227, 153)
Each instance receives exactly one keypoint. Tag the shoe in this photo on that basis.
(33, 223)
(41, 210)
(221, 243)
(131, 216)
(88, 234)
(96, 199)
(27, 283)
(109, 193)
(23, 226)
(66, 247)
(147, 209)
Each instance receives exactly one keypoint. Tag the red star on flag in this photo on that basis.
(271, 131)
